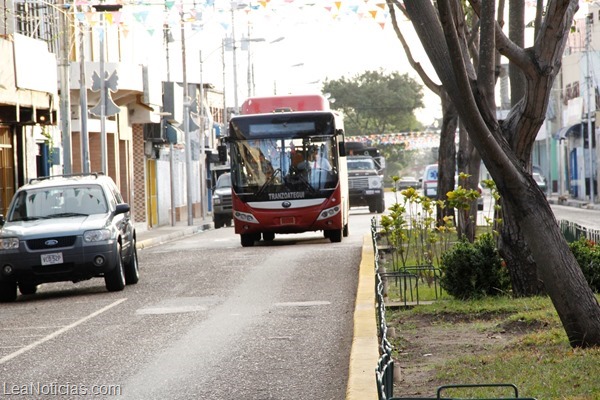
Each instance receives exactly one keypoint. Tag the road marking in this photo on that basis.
(59, 332)
(303, 303)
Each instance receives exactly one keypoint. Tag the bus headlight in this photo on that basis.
(245, 217)
(328, 213)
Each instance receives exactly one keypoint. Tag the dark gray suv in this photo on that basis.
(66, 228)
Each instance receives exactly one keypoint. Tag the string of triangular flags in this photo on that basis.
(153, 15)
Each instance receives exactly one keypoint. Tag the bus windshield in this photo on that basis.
(264, 167)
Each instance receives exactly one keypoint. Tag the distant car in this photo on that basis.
(541, 181)
(430, 179)
(365, 185)
(430, 183)
(407, 182)
(66, 228)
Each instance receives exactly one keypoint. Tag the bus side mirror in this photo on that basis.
(222, 149)
(342, 147)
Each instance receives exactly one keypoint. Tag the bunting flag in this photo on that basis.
(155, 16)
(410, 140)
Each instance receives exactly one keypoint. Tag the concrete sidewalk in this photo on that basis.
(555, 199)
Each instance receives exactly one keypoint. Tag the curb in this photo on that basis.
(167, 237)
(364, 355)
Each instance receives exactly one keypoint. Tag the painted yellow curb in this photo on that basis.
(364, 354)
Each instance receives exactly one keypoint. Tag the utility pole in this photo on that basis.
(83, 118)
(589, 88)
(186, 127)
(65, 98)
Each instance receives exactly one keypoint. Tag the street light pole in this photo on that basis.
(103, 150)
(225, 122)
(202, 161)
(233, 43)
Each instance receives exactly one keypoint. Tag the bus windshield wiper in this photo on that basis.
(268, 181)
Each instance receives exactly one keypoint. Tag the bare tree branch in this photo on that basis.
(417, 66)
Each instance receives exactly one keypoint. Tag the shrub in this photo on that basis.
(472, 270)
(587, 254)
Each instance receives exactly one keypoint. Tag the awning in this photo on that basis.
(562, 133)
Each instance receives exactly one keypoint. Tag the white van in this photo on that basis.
(430, 182)
(430, 178)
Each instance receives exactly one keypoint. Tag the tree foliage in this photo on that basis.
(374, 102)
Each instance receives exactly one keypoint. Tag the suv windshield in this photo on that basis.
(59, 201)
(362, 164)
(224, 181)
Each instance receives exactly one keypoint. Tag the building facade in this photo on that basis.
(101, 103)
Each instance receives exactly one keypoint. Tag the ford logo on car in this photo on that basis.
(51, 242)
(286, 204)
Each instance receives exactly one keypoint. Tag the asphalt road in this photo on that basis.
(208, 319)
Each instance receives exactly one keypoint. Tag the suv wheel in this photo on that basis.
(132, 268)
(8, 292)
(115, 279)
(380, 205)
(27, 288)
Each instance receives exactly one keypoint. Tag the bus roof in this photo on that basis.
(270, 104)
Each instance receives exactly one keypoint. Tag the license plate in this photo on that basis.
(52, 258)
(370, 192)
(288, 220)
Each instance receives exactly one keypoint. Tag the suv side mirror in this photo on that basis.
(122, 208)
(2, 220)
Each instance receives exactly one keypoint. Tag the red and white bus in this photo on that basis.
(288, 168)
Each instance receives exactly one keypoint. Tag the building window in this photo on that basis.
(39, 21)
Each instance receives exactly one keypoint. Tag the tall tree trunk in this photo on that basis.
(468, 162)
(446, 156)
(516, 254)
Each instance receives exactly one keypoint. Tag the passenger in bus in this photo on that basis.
(266, 166)
(320, 162)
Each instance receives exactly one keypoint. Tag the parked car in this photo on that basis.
(66, 228)
(407, 182)
(541, 181)
(222, 202)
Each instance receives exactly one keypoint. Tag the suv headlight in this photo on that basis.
(97, 235)
(216, 200)
(9, 243)
(375, 182)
